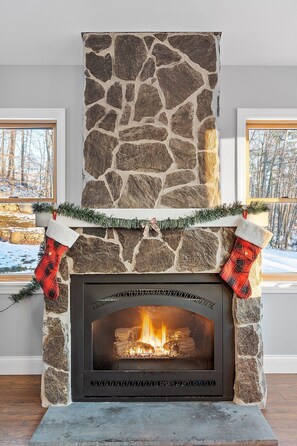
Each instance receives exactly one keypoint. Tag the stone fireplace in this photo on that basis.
(151, 143)
(127, 253)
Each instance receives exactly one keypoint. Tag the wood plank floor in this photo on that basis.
(21, 412)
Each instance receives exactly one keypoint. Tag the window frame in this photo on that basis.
(18, 117)
(264, 118)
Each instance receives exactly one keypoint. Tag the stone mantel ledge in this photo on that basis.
(42, 219)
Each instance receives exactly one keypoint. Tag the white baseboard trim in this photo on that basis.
(280, 363)
(32, 365)
(20, 365)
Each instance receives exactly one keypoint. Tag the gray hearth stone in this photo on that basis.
(154, 424)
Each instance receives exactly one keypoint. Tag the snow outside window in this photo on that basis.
(272, 177)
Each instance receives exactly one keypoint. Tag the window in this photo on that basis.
(28, 162)
(32, 160)
(271, 176)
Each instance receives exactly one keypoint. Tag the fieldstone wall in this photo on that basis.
(99, 251)
(151, 103)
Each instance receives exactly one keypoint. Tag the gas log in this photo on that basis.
(178, 343)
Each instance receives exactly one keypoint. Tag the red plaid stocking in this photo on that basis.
(46, 271)
(59, 239)
(236, 270)
(251, 238)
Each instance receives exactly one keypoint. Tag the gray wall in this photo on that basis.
(61, 86)
(51, 87)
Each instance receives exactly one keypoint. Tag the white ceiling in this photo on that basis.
(47, 32)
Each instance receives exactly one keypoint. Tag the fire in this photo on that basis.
(152, 339)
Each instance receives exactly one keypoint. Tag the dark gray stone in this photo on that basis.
(247, 381)
(213, 80)
(247, 340)
(100, 67)
(178, 83)
(198, 251)
(247, 311)
(96, 195)
(148, 102)
(93, 91)
(164, 55)
(228, 239)
(148, 41)
(182, 121)
(153, 256)
(184, 153)
(129, 239)
(98, 152)
(98, 42)
(141, 191)
(161, 36)
(115, 184)
(126, 115)
(55, 344)
(92, 254)
(130, 54)
(130, 90)
(56, 383)
(61, 304)
(163, 118)
(204, 100)
(96, 232)
(200, 48)
(148, 69)
(109, 121)
(110, 233)
(143, 132)
(178, 423)
(179, 177)
(186, 197)
(114, 95)
(146, 157)
(63, 268)
(172, 237)
(94, 114)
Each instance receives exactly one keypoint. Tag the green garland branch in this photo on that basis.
(104, 221)
(29, 289)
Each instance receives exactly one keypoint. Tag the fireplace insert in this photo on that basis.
(151, 336)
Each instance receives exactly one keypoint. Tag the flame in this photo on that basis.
(150, 334)
(153, 338)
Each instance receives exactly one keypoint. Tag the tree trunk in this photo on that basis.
(23, 157)
(10, 170)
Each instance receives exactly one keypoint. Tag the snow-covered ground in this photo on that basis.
(277, 261)
(18, 256)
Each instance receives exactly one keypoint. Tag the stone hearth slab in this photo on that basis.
(154, 424)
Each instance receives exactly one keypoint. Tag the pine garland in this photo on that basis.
(26, 292)
(30, 288)
(102, 220)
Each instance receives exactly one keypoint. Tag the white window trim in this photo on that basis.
(45, 114)
(259, 114)
(40, 114)
(254, 114)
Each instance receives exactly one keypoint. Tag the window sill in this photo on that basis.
(7, 288)
(279, 287)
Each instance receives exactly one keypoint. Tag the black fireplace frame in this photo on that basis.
(204, 294)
